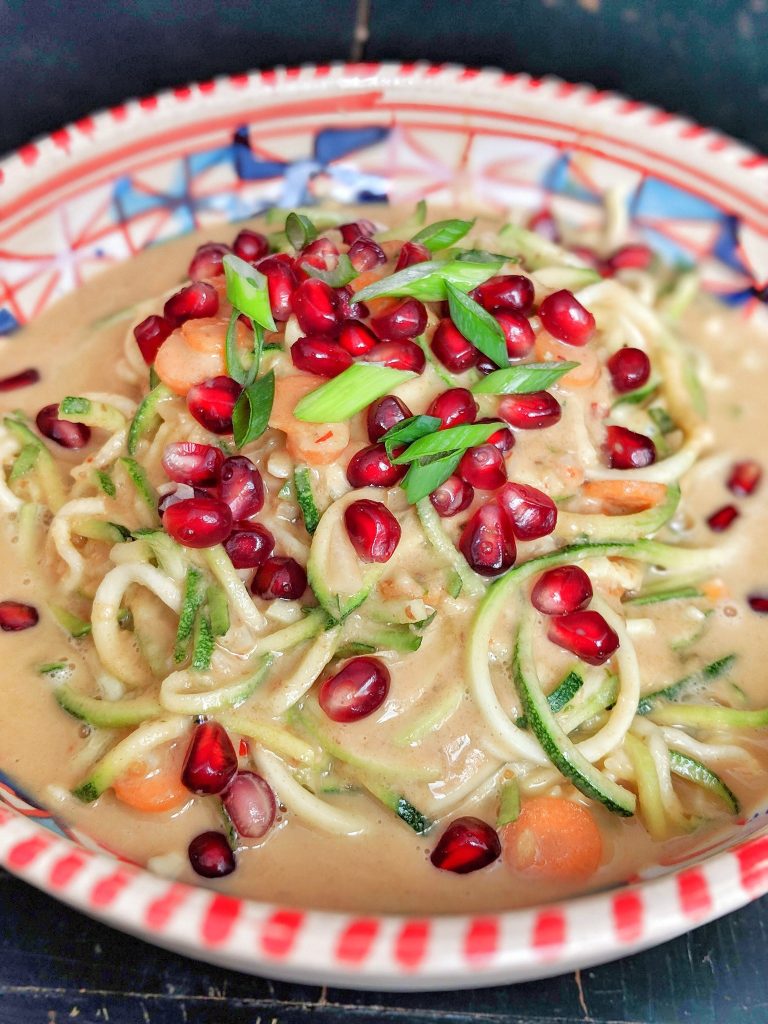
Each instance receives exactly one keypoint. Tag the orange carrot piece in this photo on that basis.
(553, 838)
(155, 788)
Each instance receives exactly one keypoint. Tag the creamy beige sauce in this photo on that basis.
(388, 868)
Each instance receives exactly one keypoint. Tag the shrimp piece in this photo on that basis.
(550, 350)
(622, 497)
(317, 444)
(195, 351)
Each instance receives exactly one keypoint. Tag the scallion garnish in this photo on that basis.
(443, 233)
(341, 274)
(477, 325)
(250, 416)
(247, 291)
(299, 230)
(427, 281)
(443, 442)
(409, 430)
(424, 476)
(522, 379)
(353, 390)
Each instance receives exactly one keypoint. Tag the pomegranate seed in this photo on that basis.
(454, 408)
(150, 335)
(249, 545)
(566, 319)
(486, 365)
(511, 292)
(15, 616)
(518, 333)
(543, 223)
(745, 478)
(487, 541)
(585, 634)
(210, 855)
(251, 805)
(241, 487)
(314, 303)
(320, 253)
(400, 355)
(358, 689)
(365, 254)
(452, 349)
(385, 413)
(178, 493)
(405, 320)
(630, 368)
(723, 518)
(503, 438)
(197, 300)
(281, 281)
(212, 402)
(483, 467)
(758, 603)
(279, 578)
(198, 522)
(532, 513)
(208, 261)
(356, 229)
(372, 529)
(356, 338)
(211, 761)
(530, 412)
(562, 590)
(452, 496)
(630, 257)
(322, 356)
(411, 253)
(371, 467)
(348, 308)
(195, 464)
(624, 449)
(468, 844)
(63, 432)
(250, 245)
(20, 380)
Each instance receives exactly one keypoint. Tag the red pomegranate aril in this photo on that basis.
(544, 224)
(723, 518)
(585, 634)
(241, 487)
(487, 541)
(503, 438)
(63, 432)
(179, 492)
(566, 319)
(279, 578)
(250, 245)
(383, 414)
(365, 254)
(758, 603)
(208, 261)
(534, 411)
(281, 281)
(511, 292)
(186, 462)
(249, 545)
(355, 691)
(452, 496)
(314, 303)
(562, 590)
(20, 380)
(150, 335)
(400, 355)
(198, 522)
(483, 467)
(211, 855)
(630, 368)
(348, 308)
(356, 229)
(197, 300)
(531, 512)
(405, 320)
(630, 257)
(518, 333)
(319, 355)
(211, 760)
(372, 529)
(251, 805)
(212, 402)
(320, 253)
(371, 467)
(411, 253)
(468, 844)
(625, 449)
(745, 477)
(454, 408)
(356, 338)
(15, 616)
(452, 349)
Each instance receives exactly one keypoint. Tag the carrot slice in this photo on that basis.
(619, 497)
(550, 350)
(553, 838)
(154, 788)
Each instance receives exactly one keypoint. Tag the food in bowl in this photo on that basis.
(380, 553)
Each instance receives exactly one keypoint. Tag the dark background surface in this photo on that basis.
(62, 59)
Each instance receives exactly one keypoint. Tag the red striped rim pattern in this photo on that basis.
(364, 950)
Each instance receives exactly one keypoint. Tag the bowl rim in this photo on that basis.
(380, 950)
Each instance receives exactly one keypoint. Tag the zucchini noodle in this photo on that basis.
(240, 600)
(61, 535)
(192, 693)
(9, 448)
(292, 689)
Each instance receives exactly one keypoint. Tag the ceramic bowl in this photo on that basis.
(100, 190)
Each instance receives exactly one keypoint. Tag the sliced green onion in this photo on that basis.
(341, 274)
(250, 416)
(353, 390)
(299, 230)
(247, 290)
(523, 379)
(232, 362)
(443, 442)
(443, 233)
(423, 477)
(408, 430)
(477, 325)
(427, 281)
